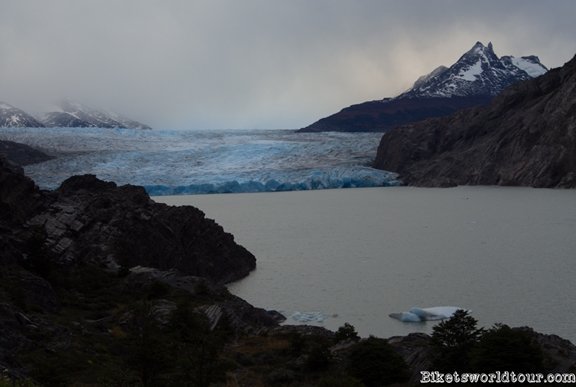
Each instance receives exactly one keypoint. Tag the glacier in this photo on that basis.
(178, 162)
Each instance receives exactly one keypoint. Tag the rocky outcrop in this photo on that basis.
(20, 198)
(89, 220)
(526, 136)
(22, 154)
(234, 311)
(415, 349)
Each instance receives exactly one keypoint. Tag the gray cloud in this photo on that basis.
(254, 63)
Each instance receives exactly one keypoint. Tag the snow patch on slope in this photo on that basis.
(531, 68)
(471, 73)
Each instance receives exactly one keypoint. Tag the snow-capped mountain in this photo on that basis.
(73, 114)
(11, 116)
(67, 114)
(478, 72)
(473, 80)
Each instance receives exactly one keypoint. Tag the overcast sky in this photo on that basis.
(255, 63)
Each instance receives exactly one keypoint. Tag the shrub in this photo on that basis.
(374, 362)
(346, 332)
(505, 349)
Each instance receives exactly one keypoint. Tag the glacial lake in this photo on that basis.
(507, 254)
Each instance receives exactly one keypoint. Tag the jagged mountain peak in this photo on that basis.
(479, 47)
(478, 72)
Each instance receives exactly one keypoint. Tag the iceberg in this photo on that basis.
(416, 314)
(308, 317)
(172, 162)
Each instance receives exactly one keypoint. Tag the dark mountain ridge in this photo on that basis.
(473, 80)
(526, 136)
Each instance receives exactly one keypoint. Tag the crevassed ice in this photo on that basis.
(194, 162)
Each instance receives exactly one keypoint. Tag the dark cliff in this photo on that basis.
(87, 220)
(526, 136)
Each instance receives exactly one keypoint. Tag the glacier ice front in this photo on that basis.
(168, 162)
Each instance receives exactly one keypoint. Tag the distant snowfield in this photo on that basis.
(168, 162)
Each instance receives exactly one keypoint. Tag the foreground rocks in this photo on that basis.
(62, 255)
(526, 136)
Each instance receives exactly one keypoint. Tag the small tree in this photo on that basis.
(346, 332)
(453, 340)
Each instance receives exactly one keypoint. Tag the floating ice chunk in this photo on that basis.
(406, 317)
(416, 314)
(308, 317)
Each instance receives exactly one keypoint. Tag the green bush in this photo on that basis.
(502, 348)
(375, 363)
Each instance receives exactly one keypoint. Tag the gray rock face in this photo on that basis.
(526, 136)
(90, 221)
